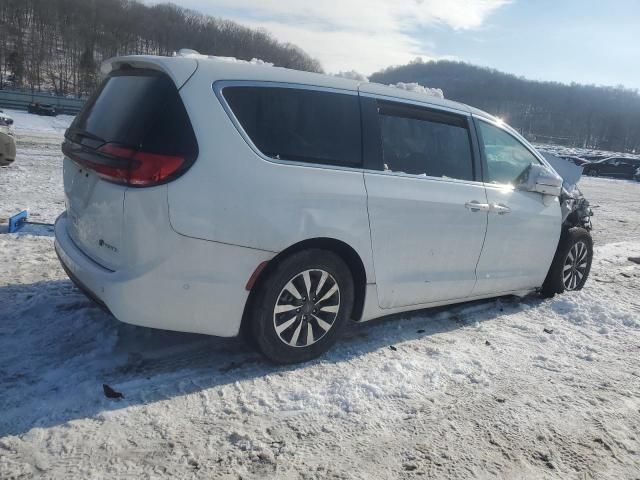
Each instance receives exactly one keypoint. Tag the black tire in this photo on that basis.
(564, 266)
(272, 293)
(592, 173)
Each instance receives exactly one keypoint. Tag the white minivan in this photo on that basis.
(219, 197)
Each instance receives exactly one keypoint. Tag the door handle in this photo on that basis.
(476, 206)
(499, 208)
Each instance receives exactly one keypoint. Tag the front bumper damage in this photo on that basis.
(576, 211)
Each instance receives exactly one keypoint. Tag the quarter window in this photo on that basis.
(424, 142)
(299, 124)
(507, 158)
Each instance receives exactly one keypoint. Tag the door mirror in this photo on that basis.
(541, 179)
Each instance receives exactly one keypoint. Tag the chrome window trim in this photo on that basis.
(422, 177)
(416, 103)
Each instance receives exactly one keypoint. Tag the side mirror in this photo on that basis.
(541, 179)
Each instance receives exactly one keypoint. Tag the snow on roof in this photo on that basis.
(353, 75)
(416, 87)
(188, 53)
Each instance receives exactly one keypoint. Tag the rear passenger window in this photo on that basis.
(424, 142)
(299, 124)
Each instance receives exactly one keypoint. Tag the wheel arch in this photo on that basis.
(346, 252)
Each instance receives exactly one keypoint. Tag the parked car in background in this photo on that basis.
(580, 162)
(5, 119)
(42, 109)
(7, 146)
(617, 167)
(595, 157)
(282, 204)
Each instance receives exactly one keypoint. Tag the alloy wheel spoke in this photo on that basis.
(323, 278)
(330, 308)
(296, 335)
(329, 293)
(284, 308)
(307, 283)
(293, 290)
(309, 334)
(324, 325)
(283, 326)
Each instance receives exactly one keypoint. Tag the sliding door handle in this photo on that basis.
(476, 206)
(499, 208)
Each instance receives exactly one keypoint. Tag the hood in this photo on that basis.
(569, 172)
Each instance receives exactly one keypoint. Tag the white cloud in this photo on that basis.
(364, 35)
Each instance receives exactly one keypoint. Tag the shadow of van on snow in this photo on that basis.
(57, 348)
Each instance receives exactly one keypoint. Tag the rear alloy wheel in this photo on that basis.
(571, 265)
(307, 308)
(302, 306)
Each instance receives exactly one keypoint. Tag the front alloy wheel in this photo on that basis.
(571, 263)
(575, 266)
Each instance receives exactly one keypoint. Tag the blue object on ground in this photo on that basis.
(17, 221)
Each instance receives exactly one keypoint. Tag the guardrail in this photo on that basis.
(20, 100)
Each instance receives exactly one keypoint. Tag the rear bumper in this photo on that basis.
(198, 287)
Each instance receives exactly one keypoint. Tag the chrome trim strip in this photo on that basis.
(417, 103)
(422, 177)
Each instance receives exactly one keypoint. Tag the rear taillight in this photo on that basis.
(144, 168)
(126, 165)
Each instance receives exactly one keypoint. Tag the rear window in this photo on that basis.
(140, 109)
(298, 124)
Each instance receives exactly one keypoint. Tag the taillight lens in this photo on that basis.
(144, 168)
(125, 165)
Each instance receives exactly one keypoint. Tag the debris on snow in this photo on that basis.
(548, 330)
(110, 392)
(635, 260)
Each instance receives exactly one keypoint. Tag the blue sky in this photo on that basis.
(584, 41)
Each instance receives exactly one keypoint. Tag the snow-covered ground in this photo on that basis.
(475, 391)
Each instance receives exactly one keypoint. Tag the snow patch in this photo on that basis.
(187, 53)
(353, 75)
(417, 88)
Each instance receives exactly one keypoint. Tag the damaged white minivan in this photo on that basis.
(219, 197)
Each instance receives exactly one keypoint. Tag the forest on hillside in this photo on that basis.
(576, 115)
(58, 45)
